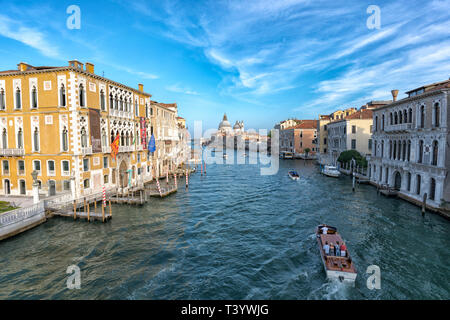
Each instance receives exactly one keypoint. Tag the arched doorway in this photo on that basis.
(398, 181)
(7, 187)
(123, 174)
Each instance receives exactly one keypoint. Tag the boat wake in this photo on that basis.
(331, 290)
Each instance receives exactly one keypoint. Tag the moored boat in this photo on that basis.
(225, 156)
(294, 175)
(331, 171)
(339, 267)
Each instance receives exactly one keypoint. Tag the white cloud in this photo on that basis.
(179, 89)
(31, 37)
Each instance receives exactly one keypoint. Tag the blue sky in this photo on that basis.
(258, 61)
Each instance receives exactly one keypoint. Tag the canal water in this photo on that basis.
(235, 235)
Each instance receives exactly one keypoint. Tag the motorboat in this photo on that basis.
(331, 171)
(225, 156)
(341, 268)
(288, 155)
(294, 175)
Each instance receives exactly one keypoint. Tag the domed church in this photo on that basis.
(225, 126)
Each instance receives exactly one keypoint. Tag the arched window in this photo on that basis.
(395, 118)
(34, 98)
(405, 116)
(408, 179)
(419, 182)
(435, 153)
(432, 195)
(409, 150)
(390, 149)
(20, 139)
(394, 154)
(83, 138)
(420, 158)
(410, 115)
(422, 116)
(399, 151)
(2, 99)
(121, 104)
(404, 151)
(36, 139)
(104, 138)
(136, 109)
(102, 100)
(400, 117)
(116, 102)
(82, 102)
(64, 138)
(376, 124)
(437, 112)
(62, 95)
(113, 136)
(391, 122)
(18, 99)
(122, 139)
(111, 101)
(4, 139)
(375, 148)
(382, 148)
(127, 139)
(382, 123)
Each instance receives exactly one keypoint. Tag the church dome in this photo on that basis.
(224, 124)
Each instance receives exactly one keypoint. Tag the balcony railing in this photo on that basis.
(126, 148)
(398, 127)
(12, 152)
(106, 149)
(86, 150)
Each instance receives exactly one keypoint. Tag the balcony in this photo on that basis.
(12, 152)
(139, 147)
(86, 151)
(126, 148)
(106, 149)
(404, 127)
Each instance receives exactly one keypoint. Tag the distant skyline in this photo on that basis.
(256, 61)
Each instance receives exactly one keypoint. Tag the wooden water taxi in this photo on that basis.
(341, 267)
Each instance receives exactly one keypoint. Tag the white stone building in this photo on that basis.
(412, 145)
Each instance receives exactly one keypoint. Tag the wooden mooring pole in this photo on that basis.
(110, 210)
(424, 204)
(103, 212)
(74, 209)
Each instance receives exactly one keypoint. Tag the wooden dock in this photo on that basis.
(82, 210)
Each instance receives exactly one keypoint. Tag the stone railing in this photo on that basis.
(86, 150)
(106, 149)
(12, 152)
(398, 127)
(20, 215)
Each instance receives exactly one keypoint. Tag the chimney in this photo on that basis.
(394, 94)
(141, 87)
(89, 67)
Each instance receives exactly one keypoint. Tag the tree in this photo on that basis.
(307, 151)
(347, 156)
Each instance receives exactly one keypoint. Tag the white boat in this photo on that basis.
(331, 171)
(225, 156)
(294, 175)
(288, 155)
(339, 268)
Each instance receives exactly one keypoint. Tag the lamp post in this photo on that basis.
(34, 175)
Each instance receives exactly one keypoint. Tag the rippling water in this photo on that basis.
(235, 235)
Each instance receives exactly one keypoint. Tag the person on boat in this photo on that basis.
(325, 230)
(326, 248)
(332, 249)
(343, 250)
(338, 249)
